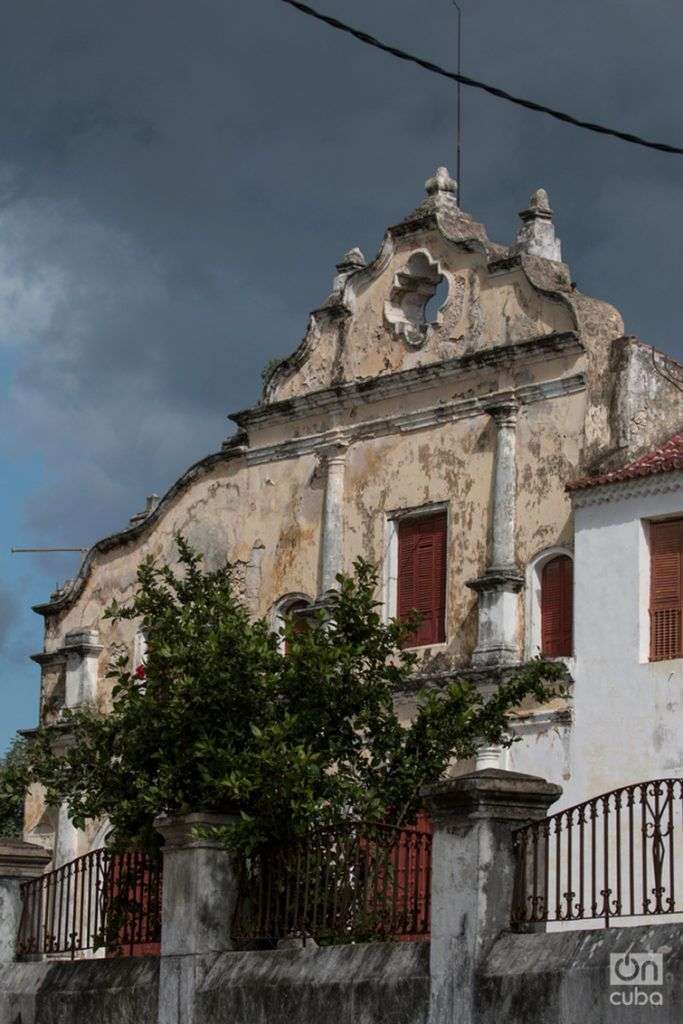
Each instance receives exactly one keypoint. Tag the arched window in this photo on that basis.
(298, 623)
(287, 609)
(557, 591)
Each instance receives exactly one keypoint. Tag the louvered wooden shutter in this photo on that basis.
(666, 590)
(422, 575)
(556, 607)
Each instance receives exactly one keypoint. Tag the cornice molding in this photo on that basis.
(642, 487)
(48, 658)
(419, 419)
(378, 389)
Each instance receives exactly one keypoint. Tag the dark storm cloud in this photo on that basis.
(177, 181)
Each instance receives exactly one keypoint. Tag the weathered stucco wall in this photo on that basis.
(539, 978)
(565, 978)
(117, 991)
(381, 983)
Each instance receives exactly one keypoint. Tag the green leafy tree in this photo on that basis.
(14, 778)
(296, 734)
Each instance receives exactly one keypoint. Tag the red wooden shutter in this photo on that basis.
(556, 607)
(298, 623)
(422, 576)
(666, 590)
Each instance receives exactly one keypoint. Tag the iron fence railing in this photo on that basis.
(101, 900)
(349, 883)
(614, 856)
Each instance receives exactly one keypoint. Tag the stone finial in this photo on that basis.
(151, 503)
(441, 182)
(61, 589)
(350, 262)
(540, 203)
(536, 236)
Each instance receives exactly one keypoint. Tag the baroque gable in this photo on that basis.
(437, 290)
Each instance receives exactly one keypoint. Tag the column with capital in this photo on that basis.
(498, 587)
(332, 540)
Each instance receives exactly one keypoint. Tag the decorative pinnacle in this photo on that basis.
(351, 260)
(539, 206)
(536, 236)
(441, 182)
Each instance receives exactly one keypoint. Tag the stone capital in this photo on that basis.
(83, 641)
(504, 412)
(180, 830)
(498, 577)
(334, 452)
(491, 793)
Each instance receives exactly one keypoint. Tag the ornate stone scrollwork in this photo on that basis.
(413, 287)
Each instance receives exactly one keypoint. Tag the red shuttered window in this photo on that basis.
(666, 589)
(422, 575)
(557, 594)
(298, 623)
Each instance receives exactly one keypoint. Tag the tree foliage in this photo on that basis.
(296, 733)
(14, 775)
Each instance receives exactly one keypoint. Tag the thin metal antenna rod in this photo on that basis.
(458, 168)
(22, 551)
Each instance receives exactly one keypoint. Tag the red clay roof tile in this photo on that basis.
(665, 459)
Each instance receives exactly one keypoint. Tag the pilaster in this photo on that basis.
(332, 541)
(82, 648)
(498, 587)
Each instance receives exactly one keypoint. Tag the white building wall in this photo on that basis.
(628, 711)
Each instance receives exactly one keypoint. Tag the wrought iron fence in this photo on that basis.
(101, 900)
(349, 883)
(616, 855)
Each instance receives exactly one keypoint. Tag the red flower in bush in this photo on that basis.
(140, 672)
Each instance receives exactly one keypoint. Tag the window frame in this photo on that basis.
(391, 528)
(534, 578)
(282, 608)
(647, 631)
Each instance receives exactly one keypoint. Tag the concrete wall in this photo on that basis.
(565, 978)
(117, 991)
(527, 979)
(382, 983)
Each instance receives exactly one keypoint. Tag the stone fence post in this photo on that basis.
(19, 862)
(473, 868)
(199, 893)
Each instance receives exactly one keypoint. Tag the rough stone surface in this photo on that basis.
(562, 978)
(19, 862)
(473, 868)
(382, 983)
(117, 991)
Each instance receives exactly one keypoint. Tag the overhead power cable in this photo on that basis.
(493, 90)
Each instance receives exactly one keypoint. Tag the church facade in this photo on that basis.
(444, 397)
